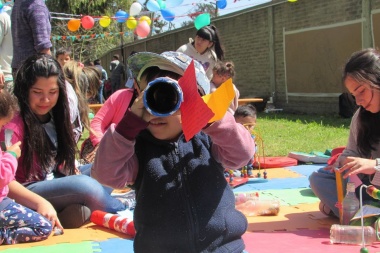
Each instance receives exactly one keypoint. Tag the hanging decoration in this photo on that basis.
(73, 25)
(143, 29)
(131, 23)
(135, 9)
(88, 36)
(121, 16)
(87, 22)
(139, 25)
(202, 20)
(167, 15)
(153, 5)
(221, 4)
(145, 18)
(104, 21)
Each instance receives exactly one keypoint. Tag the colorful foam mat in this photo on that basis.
(299, 226)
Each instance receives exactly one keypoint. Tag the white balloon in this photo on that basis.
(135, 9)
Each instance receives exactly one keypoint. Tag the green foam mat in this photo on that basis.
(82, 247)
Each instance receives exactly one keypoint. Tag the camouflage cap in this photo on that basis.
(176, 62)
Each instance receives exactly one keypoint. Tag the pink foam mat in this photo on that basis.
(310, 241)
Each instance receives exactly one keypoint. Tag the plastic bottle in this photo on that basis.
(350, 204)
(251, 205)
(346, 234)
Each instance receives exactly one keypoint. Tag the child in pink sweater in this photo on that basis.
(18, 223)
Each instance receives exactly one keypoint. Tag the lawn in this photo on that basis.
(283, 133)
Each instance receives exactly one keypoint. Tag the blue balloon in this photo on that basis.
(167, 15)
(173, 3)
(121, 16)
(152, 5)
(221, 4)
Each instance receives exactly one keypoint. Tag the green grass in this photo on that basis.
(283, 133)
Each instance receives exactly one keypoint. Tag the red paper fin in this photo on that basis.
(195, 114)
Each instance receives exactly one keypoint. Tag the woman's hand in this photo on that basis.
(356, 165)
(47, 210)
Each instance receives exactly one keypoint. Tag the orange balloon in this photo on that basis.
(73, 25)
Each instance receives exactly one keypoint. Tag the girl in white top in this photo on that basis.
(205, 48)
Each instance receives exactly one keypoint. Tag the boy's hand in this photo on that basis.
(138, 107)
(15, 148)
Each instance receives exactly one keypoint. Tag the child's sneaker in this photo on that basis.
(326, 210)
(128, 199)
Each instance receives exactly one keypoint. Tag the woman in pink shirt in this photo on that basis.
(112, 111)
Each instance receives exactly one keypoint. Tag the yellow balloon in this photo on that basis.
(131, 23)
(104, 21)
(73, 25)
(145, 18)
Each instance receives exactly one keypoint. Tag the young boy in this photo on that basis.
(246, 115)
(183, 201)
(63, 55)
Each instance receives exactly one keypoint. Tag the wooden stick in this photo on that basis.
(340, 194)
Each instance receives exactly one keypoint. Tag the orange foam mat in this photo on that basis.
(292, 218)
(280, 173)
(89, 232)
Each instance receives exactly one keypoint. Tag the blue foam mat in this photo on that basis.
(115, 245)
(306, 170)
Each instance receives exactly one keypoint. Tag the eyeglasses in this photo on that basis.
(249, 126)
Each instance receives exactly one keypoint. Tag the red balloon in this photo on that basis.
(87, 22)
(143, 29)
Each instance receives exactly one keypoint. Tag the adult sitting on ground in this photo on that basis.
(360, 160)
(47, 162)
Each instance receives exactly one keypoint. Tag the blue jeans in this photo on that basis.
(100, 93)
(323, 184)
(77, 189)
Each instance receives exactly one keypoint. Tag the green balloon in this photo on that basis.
(202, 20)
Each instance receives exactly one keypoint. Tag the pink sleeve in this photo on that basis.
(8, 166)
(233, 145)
(17, 126)
(112, 111)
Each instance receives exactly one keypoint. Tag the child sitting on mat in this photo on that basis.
(183, 202)
(18, 223)
(222, 71)
(247, 116)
